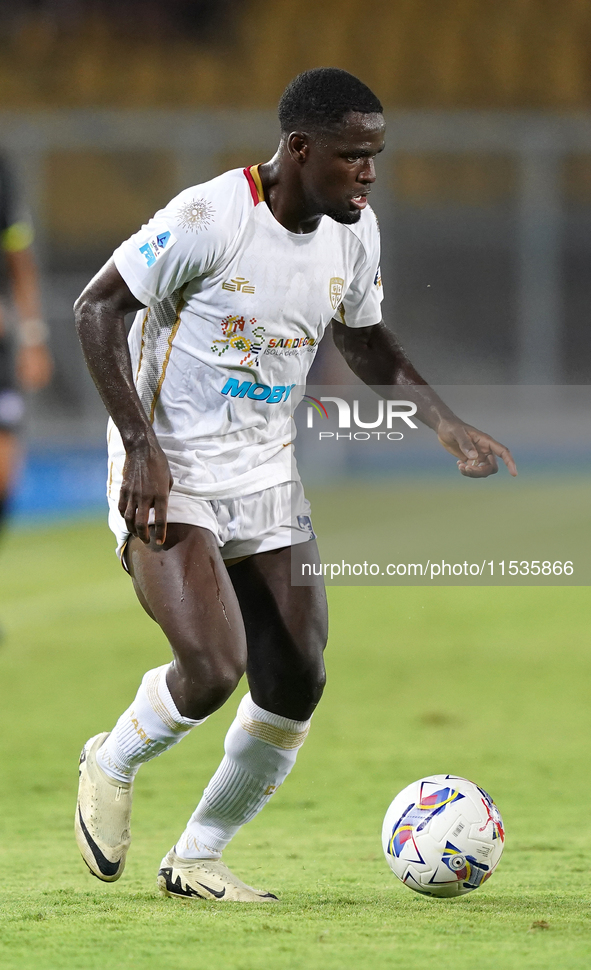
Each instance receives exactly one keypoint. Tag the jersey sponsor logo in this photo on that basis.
(257, 392)
(290, 346)
(234, 338)
(239, 284)
(291, 343)
(195, 215)
(335, 288)
(153, 249)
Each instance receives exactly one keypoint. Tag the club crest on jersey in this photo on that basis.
(335, 287)
(234, 338)
(153, 249)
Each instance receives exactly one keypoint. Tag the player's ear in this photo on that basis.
(298, 146)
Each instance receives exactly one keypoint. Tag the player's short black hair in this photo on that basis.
(321, 98)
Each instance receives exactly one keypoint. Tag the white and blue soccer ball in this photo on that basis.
(443, 836)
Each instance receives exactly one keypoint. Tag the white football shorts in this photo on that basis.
(270, 519)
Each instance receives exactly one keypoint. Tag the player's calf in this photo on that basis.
(260, 751)
(296, 691)
(108, 765)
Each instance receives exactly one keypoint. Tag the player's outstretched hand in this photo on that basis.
(146, 485)
(475, 450)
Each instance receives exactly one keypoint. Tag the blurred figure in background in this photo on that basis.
(25, 361)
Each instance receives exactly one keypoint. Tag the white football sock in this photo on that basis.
(150, 726)
(261, 750)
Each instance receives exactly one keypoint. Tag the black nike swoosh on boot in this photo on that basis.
(223, 892)
(213, 892)
(107, 868)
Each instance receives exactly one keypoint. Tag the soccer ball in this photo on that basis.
(443, 836)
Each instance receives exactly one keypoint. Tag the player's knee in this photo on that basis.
(208, 682)
(223, 681)
(308, 684)
(314, 681)
(314, 671)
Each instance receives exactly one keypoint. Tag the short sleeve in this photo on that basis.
(361, 304)
(181, 242)
(16, 230)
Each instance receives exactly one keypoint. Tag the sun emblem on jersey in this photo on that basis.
(195, 215)
(335, 288)
(235, 339)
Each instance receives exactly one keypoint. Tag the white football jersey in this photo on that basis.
(236, 306)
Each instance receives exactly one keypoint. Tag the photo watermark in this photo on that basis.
(389, 504)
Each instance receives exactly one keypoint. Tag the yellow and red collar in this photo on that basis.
(254, 183)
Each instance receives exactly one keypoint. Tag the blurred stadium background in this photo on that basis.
(484, 192)
(484, 197)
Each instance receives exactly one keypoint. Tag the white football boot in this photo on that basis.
(102, 816)
(205, 879)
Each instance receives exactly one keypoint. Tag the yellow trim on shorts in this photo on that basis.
(122, 557)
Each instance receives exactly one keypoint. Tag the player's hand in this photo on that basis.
(34, 367)
(146, 485)
(477, 451)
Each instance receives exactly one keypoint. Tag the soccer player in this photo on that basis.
(203, 500)
(26, 366)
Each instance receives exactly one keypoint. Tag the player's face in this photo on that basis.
(340, 167)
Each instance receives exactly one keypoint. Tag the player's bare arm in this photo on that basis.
(375, 355)
(34, 363)
(100, 320)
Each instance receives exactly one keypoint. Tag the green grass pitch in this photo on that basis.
(492, 683)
